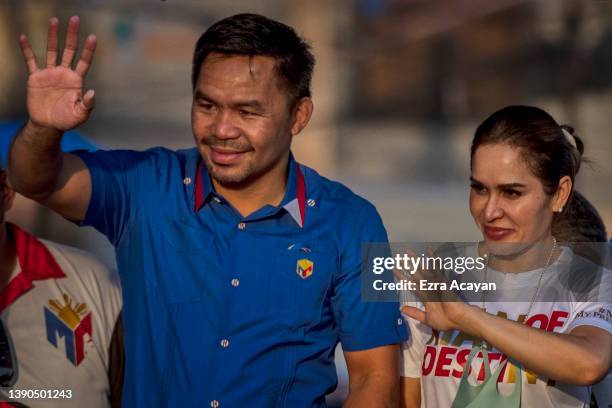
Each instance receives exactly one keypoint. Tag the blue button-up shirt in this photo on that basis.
(231, 311)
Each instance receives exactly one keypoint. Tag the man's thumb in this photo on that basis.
(88, 101)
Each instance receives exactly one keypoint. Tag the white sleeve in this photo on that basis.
(597, 312)
(591, 314)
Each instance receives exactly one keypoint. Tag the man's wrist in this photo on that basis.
(35, 130)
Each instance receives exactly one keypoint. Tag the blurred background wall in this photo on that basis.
(399, 88)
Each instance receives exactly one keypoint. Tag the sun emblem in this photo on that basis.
(67, 312)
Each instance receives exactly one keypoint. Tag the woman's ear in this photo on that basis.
(564, 189)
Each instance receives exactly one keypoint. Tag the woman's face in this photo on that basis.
(507, 200)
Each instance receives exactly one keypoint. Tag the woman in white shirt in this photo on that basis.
(541, 351)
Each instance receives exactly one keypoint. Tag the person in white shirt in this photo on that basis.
(545, 350)
(61, 332)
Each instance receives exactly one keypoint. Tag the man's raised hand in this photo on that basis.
(55, 93)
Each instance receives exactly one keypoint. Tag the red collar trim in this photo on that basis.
(199, 190)
(301, 193)
(36, 263)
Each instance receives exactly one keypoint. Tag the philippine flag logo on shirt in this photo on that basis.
(72, 322)
(304, 268)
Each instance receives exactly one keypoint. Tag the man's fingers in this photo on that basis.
(88, 100)
(86, 55)
(72, 40)
(415, 313)
(52, 42)
(28, 54)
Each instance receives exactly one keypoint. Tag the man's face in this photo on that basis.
(241, 118)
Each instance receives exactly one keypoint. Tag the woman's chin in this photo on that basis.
(505, 248)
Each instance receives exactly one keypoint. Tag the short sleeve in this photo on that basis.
(117, 180)
(591, 314)
(598, 311)
(364, 325)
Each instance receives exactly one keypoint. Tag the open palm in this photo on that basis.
(438, 315)
(443, 309)
(55, 93)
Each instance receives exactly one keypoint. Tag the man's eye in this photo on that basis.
(512, 193)
(206, 106)
(245, 112)
(478, 189)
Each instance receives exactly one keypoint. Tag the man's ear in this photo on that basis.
(7, 194)
(301, 115)
(562, 194)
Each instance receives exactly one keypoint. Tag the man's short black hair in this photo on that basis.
(252, 34)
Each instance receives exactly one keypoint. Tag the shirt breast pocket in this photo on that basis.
(300, 286)
(182, 253)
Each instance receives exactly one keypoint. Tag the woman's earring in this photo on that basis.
(561, 209)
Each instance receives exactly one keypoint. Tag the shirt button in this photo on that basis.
(187, 180)
(225, 343)
(235, 282)
(400, 321)
(241, 226)
(214, 404)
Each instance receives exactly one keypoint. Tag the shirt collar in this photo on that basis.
(294, 201)
(203, 186)
(35, 262)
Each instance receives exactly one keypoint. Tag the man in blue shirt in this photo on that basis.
(240, 268)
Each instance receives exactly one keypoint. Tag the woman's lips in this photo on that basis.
(496, 233)
(225, 156)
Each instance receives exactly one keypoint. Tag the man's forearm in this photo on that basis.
(35, 161)
(374, 391)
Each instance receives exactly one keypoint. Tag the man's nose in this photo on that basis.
(225, 126)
